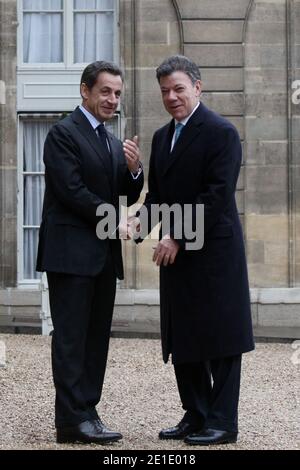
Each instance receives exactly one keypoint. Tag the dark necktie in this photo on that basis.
(102, 135)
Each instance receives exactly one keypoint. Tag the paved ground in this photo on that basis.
(140, 396)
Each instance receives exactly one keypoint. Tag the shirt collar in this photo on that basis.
(185, 120)
(92, 120)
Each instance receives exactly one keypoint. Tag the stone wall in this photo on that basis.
(249, 54)
(213, 37)
(150, 33)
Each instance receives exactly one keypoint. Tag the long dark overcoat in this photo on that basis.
(205, 305)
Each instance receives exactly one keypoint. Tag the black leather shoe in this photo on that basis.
(178, 432)
(86, 432)
(116, 436)
(210, 437)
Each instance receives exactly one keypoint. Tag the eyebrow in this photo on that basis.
(108, 88)
(167, 88)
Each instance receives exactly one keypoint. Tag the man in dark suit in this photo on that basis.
(204, 293)
(85, 167)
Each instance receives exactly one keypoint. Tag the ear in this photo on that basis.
(84, 91)
(198, 87)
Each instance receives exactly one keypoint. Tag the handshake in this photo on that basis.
(166, 250)
(129, 228)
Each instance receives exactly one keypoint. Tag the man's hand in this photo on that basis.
(132, 154)
(166, 251)
(134, 226)
(129, 227)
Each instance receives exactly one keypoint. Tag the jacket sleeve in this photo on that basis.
(64, 174)
(132, 187)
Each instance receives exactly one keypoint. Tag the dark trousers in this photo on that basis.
(81, 311)
(209, 392)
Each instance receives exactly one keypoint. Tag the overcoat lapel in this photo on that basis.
(166, 145)
(188, 134)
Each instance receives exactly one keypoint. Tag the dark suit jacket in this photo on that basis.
(205, 306)
(77, 182)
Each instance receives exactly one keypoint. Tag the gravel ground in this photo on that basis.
(140, 397)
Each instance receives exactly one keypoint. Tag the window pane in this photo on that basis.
(34, 188)
(42, 37)
(34, 135)
(31, 237)
(93, 4)
(93, 37)
(42, 4)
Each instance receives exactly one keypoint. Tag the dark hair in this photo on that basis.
(178, 63)
(90, 74)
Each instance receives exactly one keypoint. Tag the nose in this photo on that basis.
(172, 96)
(113, 99)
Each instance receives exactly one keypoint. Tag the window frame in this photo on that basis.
(68, 40)
(26, 282)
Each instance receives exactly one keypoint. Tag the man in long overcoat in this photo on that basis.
(204, 293)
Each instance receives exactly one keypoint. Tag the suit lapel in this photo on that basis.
(187, 136)
(87, 131)
(115, 161)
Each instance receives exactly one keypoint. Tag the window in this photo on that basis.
(56, 39)
(33, 131)
(67, 32)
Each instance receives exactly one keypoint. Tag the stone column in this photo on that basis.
(294, 135)
(266, 145)
(8, 144)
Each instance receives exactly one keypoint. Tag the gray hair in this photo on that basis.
(178, 63)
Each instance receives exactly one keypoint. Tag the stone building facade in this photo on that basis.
(249, 56)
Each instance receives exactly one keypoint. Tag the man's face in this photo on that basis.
(179, 95)
(103, 98)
